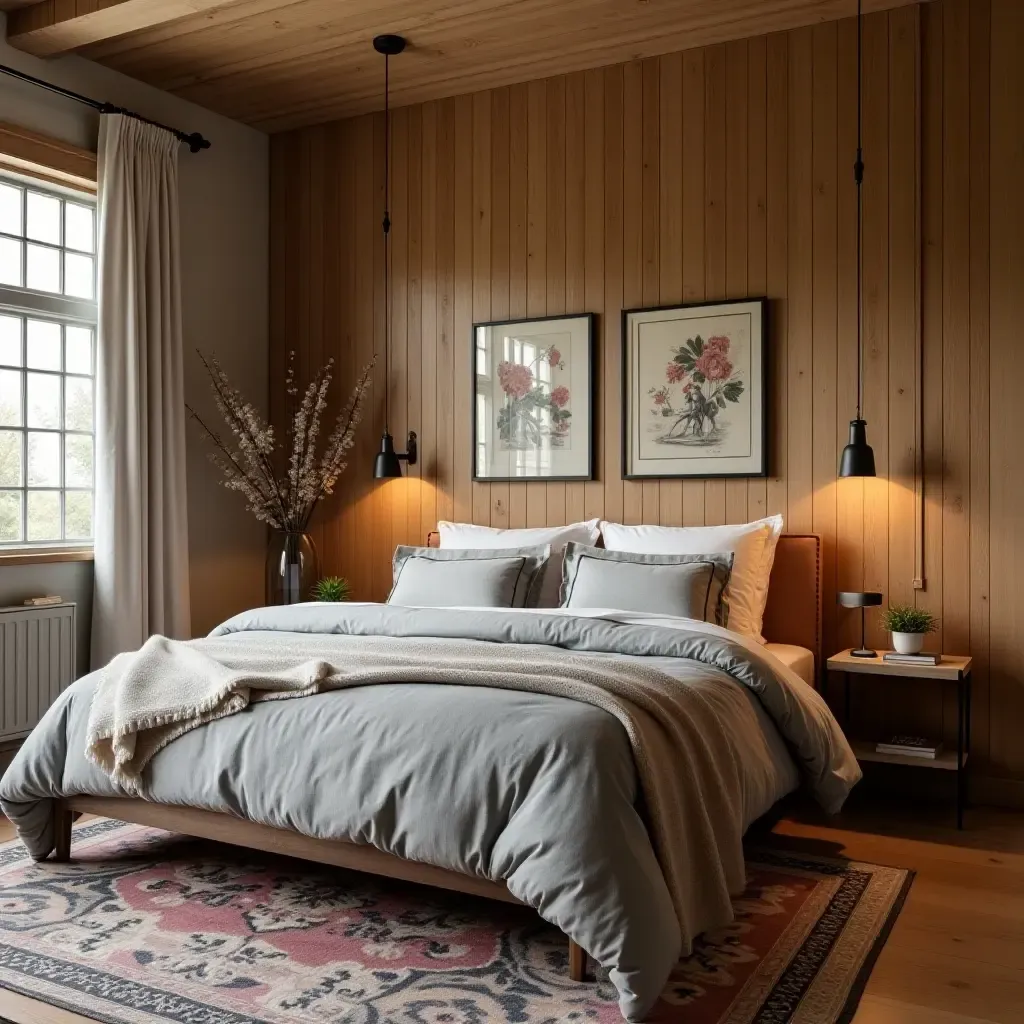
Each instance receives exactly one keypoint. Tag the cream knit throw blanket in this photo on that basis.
(692, 791)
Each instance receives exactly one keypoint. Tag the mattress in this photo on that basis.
(799, 659)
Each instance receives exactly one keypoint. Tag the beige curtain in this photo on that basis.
(141, 548)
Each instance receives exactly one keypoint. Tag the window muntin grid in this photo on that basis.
(47, 368)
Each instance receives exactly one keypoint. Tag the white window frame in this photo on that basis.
(70, 311)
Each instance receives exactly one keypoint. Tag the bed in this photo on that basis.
(278, 820)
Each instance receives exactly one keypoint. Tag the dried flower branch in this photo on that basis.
(285, 503)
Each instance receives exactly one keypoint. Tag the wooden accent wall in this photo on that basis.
(713, 173)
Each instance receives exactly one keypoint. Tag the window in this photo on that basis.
(47, 364)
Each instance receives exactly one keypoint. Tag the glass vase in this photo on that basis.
(293, 567)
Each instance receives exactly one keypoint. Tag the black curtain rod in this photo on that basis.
(194, 141)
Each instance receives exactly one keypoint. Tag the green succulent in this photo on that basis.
(905, 618)
(332, 588)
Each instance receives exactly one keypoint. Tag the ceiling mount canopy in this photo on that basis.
(389, 45)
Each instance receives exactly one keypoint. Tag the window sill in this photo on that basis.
(32, 556)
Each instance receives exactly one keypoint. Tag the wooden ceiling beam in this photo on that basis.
(52, 27)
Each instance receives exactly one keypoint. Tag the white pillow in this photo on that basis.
(469, 535)
(753, 548)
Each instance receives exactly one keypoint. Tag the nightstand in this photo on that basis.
(951, 669)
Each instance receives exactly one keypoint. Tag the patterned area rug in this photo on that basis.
(145, 927)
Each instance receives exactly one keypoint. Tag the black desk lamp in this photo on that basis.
(866, 599)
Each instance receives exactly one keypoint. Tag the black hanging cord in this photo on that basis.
(194, 140)
(387, 244)
(388, 46)
(858, 177)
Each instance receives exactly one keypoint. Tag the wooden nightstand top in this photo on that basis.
(951, 667)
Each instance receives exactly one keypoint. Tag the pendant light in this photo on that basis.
(858, 459)
(388, 463)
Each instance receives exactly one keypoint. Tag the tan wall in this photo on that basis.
(224, 294)
(718, 172)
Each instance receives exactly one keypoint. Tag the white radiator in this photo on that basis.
(37, 661)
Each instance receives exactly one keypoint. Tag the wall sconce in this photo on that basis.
(389, 462)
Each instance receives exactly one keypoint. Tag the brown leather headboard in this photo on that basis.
(792, 614)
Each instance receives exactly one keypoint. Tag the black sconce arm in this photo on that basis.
(411, 452)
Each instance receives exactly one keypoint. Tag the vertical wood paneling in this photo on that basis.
(824, 299)
(594, 285)
(1006, 421)
(632, 233)
(757, 210)
(876, 303)
(737, 166)
(777, 216)
(414, 317)
(428, 442)
(716, 158)
(613, 292)
(718, 172)
(462, 323)
(574, 186)
(483, 229)
(555, 244)
(849, 493)
(980, 346)
(650, 286)
(444, 237)
(518, 246)
(693, 226)
(500, 252)
(536, 247)
(398, 492)
(800, 309)
(670, 240)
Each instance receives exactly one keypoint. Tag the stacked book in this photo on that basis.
(911, 659)
(912, 746)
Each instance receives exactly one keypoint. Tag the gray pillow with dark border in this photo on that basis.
(690, 586)
(470, 577)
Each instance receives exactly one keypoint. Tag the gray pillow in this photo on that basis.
(478, 578)
(687, 585)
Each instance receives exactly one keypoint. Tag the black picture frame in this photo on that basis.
(763, 468)
(590, 432)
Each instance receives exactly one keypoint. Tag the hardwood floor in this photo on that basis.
(956, 955)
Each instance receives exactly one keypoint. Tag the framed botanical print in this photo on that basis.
(694, 390)
(533, 399)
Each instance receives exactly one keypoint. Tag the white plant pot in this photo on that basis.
(908, 643)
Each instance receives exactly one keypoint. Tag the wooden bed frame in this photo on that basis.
(792, 616)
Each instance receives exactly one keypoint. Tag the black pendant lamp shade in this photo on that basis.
(388, 463)
(858, 459)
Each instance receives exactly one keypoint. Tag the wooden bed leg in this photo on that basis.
(62, 819)
(577, 962)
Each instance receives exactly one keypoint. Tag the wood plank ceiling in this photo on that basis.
(280, 64)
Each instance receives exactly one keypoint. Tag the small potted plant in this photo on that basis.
(331, 588)
(908, 626)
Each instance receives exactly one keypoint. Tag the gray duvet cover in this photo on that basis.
(539, 791)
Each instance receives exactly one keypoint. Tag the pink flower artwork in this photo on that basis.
(554, 357)
(560, 396)
(515, 379)
(714, 364)
(707, 382)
